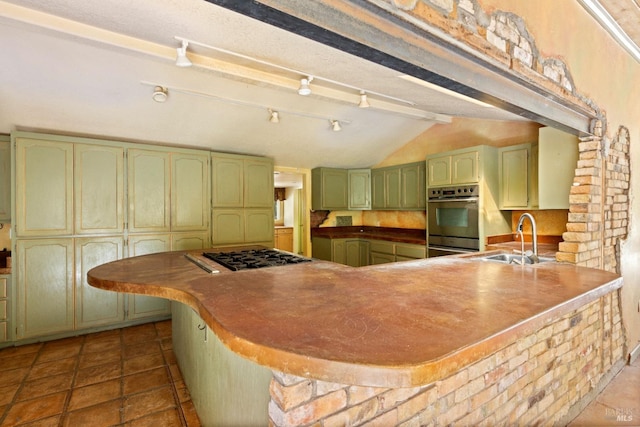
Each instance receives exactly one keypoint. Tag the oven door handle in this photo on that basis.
(468, 199)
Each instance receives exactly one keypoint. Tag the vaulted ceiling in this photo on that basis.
(90, 68)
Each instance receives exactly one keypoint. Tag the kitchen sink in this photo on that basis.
(512, 259)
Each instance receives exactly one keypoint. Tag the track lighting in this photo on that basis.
(364, 103)
(335, 125)
(160, 94)
(304, 88)
(181, 58)
(274, 116)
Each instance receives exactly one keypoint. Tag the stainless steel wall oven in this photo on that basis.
(452, 220)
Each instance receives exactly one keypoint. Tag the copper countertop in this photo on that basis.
(392, 325)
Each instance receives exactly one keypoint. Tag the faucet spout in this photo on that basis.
(534, 232)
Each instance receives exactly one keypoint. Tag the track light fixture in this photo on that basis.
(160, 94)
(274, 116)
(364, 103)
(304, 88)
(335, 125)
(181, 58)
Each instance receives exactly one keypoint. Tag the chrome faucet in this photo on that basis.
(534, 237)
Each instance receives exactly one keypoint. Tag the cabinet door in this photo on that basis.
(258, 226)
(464, 168)
(514, 171)
(378, 258)
(331, 189)
(95, 307)
(149, 191)
(412, 195)
(189, 241)
(5, 179)
(227, 226)
(189, 192)
(352, 253)
(258, 183)
(338, 251)
(44, 187)
(439, 171)
(359, 189)
(227, 175)
(392, 188)
(98, 189)
(44, 293)
(377, 189)
(141, 306)
(284, 239)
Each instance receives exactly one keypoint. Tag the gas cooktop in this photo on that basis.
(254, 258)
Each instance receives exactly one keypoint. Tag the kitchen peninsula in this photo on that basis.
(452, 338)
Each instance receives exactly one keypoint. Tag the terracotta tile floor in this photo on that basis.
(129, 377)
(125, 377)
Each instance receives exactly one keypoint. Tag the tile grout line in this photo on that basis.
(67, 400)
(21, 386)
(172, 381)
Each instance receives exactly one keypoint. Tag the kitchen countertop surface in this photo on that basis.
(391, 325)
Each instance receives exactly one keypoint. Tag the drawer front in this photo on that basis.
(3, 331)
(281, 231)
(382, 247)
(411, 251)
(3, 310)
(3, 287)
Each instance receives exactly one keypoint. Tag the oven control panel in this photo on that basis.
(457, 192)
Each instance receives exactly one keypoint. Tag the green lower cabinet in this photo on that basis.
(141, 306)
(380, 258)
(189, 241)
(44, 295)
(226, 389)
(96, 307)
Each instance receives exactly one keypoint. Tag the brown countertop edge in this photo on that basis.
(400, 235)
(5, 270)
(340, 324)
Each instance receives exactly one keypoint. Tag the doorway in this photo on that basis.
(293, 212)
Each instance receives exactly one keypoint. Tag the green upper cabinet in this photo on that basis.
(44, 190)
(400, 187)
(189, 192)
(538, 175)
(359, 189)
(241, 181)
(514, 176)
(412, 186)
(453, 168)
(99, 189)
(149, 190)
(242, 199)
(329, 189)
(5, 179)
(258, 183)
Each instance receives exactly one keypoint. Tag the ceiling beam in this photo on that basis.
(416, 51)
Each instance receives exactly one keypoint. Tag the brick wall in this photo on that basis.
(546, 377)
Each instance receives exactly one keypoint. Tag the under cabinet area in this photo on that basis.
(538, 175)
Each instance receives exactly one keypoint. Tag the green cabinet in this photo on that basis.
(98, 189)
(93, 306)
(148, 191)
(400, 187)
(538, 175)
(351, 252)
(5, 179)
(45, 291)
(242, 198)
(5, 308)
(329, 189)
(44, 187)
(453, 168)
(190, 192)
(359, 189)
(382, 252)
